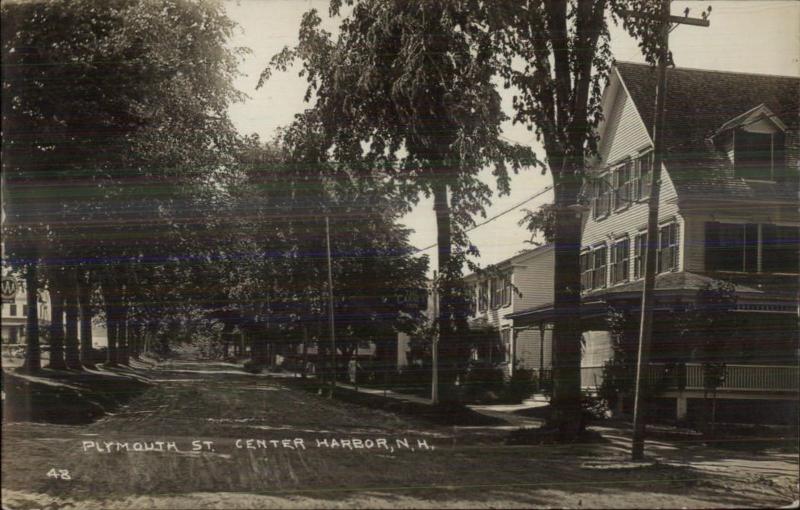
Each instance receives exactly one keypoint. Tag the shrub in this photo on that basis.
(593, 408)
(521, 385)
(482, 378)
(253, 367)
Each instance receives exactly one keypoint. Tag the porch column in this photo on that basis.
(513, 348)
(541, 347)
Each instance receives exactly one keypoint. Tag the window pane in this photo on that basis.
(780, 249)
(599, 276)
(725, 247)
(638, 256)
(753, 155)
(647, 174)
(586, 271)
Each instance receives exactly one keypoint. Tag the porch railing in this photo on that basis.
(738, 377)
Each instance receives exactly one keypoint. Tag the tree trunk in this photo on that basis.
(71, 351)
(133, 341)
(84, 302)
(111, 327)
(447, 348)
(305, 351)
(33, 353)
(566, 400)
(56, 325)
(123, 354)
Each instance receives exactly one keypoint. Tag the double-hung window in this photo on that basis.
(497, 292)
(593, 268)
(586, 270)
(622, 185)
(601, 203)
(483, 296)
(639, 249)
(620, 260)
(506, 290)
(641, 176)
(599, 257)
(667, 248)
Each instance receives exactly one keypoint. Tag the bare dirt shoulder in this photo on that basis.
(457, 467)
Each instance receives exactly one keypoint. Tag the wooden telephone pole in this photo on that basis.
(665, 25)
(435, 343)
(331, 319)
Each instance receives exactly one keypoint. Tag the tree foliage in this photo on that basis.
(556, 55)
(114, 111)
(405, 96)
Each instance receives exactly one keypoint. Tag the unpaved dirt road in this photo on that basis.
(219, 438)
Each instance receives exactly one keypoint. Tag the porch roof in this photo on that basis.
(672, 289)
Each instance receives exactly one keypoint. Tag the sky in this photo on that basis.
(761, 36)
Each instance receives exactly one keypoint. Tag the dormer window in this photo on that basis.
(754, 142)
(756, 156)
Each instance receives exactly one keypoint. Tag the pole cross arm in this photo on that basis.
(678, 20)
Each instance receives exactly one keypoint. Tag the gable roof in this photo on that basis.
(519, 258)
(698, 104)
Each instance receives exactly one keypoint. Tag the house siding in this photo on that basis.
(633, 220)
(626, 136)
(533, 277)
(624, 133)
(531, 274)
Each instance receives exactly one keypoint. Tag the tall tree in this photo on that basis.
(123, 104)
(556, 54)
(405, 95)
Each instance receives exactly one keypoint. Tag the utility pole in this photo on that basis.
(435, 343)
(330, 305)
(646, 324)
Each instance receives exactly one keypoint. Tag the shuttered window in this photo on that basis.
(639, 246)
(601, 203)
(586, 270)
(622, 185)
(483, 295)
(507, 290)
(599, 257)
(497, 292)
(620, 260)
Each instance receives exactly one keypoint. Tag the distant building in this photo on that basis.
(522, 282)
(15, 318)
(15, 315)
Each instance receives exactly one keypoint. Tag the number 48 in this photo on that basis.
(62, 474)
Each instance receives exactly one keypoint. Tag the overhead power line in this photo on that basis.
(488, 220)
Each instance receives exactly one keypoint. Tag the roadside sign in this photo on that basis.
(9, 289)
